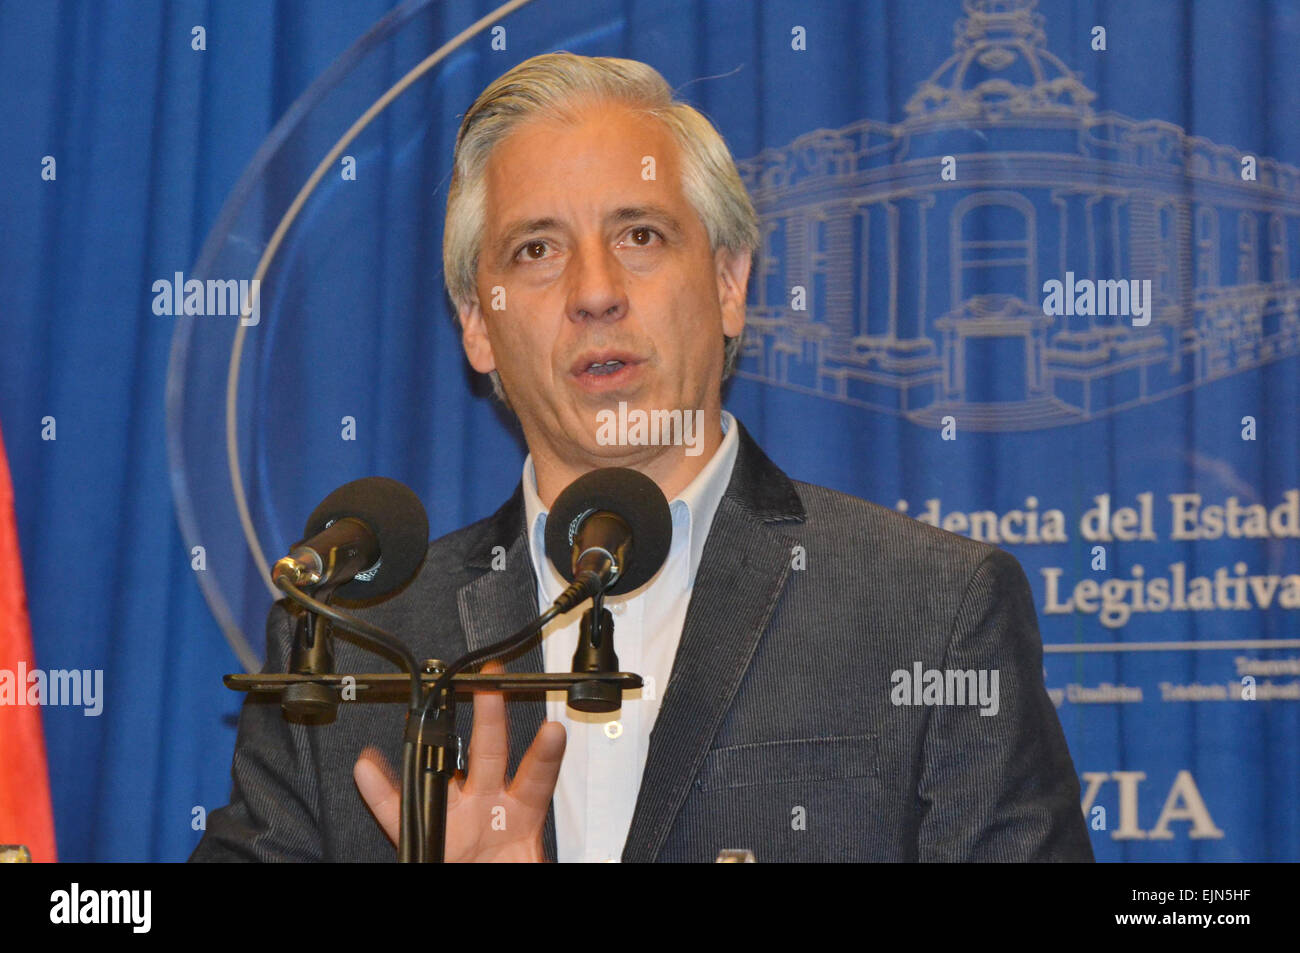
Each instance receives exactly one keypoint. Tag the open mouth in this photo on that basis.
(600, 372)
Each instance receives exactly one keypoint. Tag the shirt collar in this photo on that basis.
(692, 509)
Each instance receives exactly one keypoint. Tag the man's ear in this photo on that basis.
(733, 283)
(474, 338)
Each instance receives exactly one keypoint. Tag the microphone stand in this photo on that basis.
(439, 755)
(431, 750)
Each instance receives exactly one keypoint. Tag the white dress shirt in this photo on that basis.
(606, 754)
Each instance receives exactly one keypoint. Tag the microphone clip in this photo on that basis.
(311, 653)
(595, 653)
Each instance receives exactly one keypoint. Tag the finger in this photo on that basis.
(489, 749)
(379, 790)
(455, 785)
(534, 782)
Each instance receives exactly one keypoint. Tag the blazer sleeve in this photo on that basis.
(999, 786)
(274, 808)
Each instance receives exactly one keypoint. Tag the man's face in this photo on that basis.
(587, 259)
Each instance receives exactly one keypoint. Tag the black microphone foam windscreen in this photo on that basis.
(395, 514)
(631, 495)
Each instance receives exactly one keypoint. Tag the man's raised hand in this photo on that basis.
(488, 819)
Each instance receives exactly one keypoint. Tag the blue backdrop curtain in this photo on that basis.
(151, 136)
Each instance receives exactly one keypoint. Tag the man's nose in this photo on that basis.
(597, 291)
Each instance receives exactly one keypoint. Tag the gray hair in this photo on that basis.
(554, 84)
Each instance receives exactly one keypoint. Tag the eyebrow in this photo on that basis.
(620, 216)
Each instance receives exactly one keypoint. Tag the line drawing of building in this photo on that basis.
(910, 280)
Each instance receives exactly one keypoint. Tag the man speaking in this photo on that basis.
(798, 647)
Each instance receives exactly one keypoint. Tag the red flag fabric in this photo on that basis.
(26, 815)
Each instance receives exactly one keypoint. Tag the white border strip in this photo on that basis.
(1176, 646)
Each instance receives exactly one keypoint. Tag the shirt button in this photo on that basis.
(613, 729)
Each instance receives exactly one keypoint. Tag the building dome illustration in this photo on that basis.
(888, 279)
(1000, 68)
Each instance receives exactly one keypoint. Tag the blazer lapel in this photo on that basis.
(493, 606)
(742, 573)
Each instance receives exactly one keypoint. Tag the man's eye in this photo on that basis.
(532, 251)
(643, 235)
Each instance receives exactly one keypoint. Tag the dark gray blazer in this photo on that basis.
(777, 732)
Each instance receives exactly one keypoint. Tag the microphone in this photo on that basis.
(365, 540)
(608, 533)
